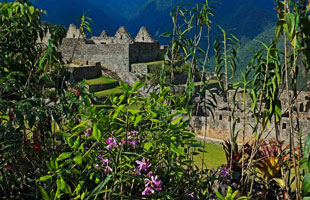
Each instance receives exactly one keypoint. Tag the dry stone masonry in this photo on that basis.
(117, 53)
(219, 126)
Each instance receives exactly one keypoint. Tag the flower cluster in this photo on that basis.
(143, 165)
(151, 185)
(76, 91)
(131, 140)
(105, 164)
(151, 182)
(224, 172)
(111, 143)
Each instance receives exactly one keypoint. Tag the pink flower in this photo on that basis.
(224, 172)
(134, 133)
(132, 143)
(148, 191)
(111, 143)
(153, 182)
(105, 162)
(122, 142)
(142, 165)
(191, 195)
(107, 169)
(150, 174)
(151, 185)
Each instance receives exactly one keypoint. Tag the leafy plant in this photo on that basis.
(273, 159)
(234, 155)
(230, 195)
(269, 158)
(129, 147)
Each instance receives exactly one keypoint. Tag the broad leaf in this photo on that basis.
(64, 156)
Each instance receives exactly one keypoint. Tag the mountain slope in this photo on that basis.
(245, 18)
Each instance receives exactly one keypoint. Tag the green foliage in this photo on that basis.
(306, 160)
(35, 103)
(56, 144)
(226, 47)
(231, 195)
(161, 138)
(85, 25)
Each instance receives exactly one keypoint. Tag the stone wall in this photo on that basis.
(144, 52)
(78, 73)
(140, 68)
(219, 127)
(109, 55)
(103, 40)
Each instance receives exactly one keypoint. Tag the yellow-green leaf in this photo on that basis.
(45, 178)
(78, 159)
(176, 121)
(148, 145)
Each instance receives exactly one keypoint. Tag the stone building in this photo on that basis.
(219, 126)
(116, 52)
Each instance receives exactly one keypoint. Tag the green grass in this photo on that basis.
(214, 156)
(153, 63)
(108, 92)
(100, 80)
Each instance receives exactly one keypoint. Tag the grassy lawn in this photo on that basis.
(153, 63)
(100, 80)
(108, 92)
(214, 156)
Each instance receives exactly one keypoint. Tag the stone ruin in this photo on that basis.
(218, 127)
(116, 53)
(122, 54)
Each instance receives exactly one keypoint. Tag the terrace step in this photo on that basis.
(101, 83)
(101, 87)
(101, 95)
